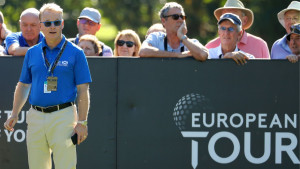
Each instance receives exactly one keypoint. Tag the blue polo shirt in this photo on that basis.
(18, 38)
(71, 70)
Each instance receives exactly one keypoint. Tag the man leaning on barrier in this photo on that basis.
(287, 17)
(294, 43)
(54, 72)
(18, 43)
(249, 43)
(173, 43)
(230, 31)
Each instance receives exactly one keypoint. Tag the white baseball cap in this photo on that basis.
(91, 14)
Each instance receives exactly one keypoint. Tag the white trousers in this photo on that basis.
(51, 132)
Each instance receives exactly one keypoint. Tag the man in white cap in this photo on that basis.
(89, 23)
(230, 31)
(248, 42)
(294, 43)
(287, 18)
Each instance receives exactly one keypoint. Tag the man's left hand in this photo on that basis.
(81, 131)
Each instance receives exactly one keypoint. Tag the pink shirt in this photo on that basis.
(249, 43)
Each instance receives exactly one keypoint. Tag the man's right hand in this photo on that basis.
(10, 123)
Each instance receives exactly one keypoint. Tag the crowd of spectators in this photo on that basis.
(168, 38)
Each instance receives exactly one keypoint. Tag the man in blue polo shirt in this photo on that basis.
(55, 72)
(18, 43)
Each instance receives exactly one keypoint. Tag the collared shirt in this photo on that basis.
(106, 50)
(280, 49)
(248, 43)
(18, 38)
(156, 39)
(71, 70)
(216, 53)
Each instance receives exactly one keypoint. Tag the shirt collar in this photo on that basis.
(44, 44)
(219, 51)
(244, 38)
(283, 43)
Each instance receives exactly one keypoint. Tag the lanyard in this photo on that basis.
(53, 64)
(166, 43)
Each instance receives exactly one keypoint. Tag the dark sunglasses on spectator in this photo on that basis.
(176, 16)
(230, 29)
(128, 43)
(86, 21)
(49, 23)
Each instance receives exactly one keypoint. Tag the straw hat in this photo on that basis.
(295, 5)
(236, 4)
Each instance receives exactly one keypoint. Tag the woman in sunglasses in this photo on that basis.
(127, 43)
(90, 45)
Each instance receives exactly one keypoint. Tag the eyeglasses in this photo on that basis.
(128, 43)
(86, 21)
(49, 23)
(230, 29)
(296, 19)
(176, 16)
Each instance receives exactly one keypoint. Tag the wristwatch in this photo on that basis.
(83, 122)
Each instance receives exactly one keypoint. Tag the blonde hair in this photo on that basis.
(93, 39)
(51, 7)
(130, 34)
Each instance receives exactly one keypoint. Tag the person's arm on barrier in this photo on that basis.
(198, 51)
(293, 58)
(20, 97)
(149, 51)
(238, 57)
(16, 50)
(83, 101)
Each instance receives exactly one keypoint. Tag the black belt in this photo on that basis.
(52, 108)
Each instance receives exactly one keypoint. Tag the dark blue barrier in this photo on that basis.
(177, 114)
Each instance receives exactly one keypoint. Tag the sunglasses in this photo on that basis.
(176, 16)
(86, 21)
(49, 23)
(230, 29)
(122, 42)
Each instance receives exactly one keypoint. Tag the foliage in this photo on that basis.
(141, 14)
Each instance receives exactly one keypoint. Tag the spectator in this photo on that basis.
(173, 43)
(158, 27)
(90, 45)
(18, 43)
(127, 43)
(294, 43)
(248, 42)
(230, 31)
(287, 17)
(4, 32)
(89, 23)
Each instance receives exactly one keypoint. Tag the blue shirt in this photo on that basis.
(18, 38)
(280, 49)
(71, 70)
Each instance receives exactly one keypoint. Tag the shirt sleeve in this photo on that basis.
(152, 39)
(26, 76)
(81, 69)
(11, 39)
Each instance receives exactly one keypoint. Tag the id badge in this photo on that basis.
(52, 83)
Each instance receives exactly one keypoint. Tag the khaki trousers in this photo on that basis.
(51, 132)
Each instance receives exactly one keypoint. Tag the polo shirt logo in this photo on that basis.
(63, 63)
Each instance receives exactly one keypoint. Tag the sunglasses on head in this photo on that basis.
(176, 16)
(122, 42)
(86, 21)
(230, 29)
(49, 23)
